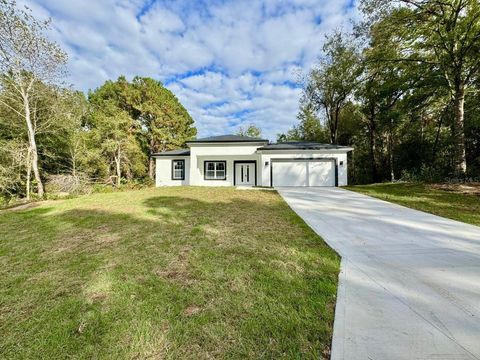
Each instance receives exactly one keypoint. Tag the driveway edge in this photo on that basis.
(338, 337)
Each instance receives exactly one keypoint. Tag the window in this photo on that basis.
(178, 169)
(215, 170)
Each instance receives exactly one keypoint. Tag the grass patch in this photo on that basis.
(448, 202)
(165, 273)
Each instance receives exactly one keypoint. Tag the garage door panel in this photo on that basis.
(290, 174)
(303, 173)
(321, 173)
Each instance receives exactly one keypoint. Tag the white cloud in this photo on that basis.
(232, 62)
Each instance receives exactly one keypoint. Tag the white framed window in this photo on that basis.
(178, 169)
(215, 170)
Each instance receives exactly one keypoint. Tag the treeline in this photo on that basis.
(104, 138)
(50, 133)
(403, 89)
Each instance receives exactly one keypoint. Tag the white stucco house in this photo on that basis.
(233, 160)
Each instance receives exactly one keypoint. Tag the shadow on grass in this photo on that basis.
(93, 283)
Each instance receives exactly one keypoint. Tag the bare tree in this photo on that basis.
(28, 62)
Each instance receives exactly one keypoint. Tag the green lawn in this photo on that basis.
(450, 204)
(164, 273)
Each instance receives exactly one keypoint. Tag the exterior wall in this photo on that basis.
(267, 156)
(199, 153)
(163, 171)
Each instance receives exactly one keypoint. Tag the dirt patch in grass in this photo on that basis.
(177, 269)
(468, 189)
(97, 297)
(192, 310)
(25, 206)
(90, 240)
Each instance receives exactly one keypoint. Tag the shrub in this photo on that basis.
(68, 184)
(427, 174)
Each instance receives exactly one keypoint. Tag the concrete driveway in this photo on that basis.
(410, 282)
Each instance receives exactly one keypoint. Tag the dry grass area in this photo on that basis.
(190, 273)
(468, 189)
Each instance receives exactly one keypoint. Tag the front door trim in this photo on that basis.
(235, 162)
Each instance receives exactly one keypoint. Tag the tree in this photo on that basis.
(162, 121)
(12, 165)
(310, 128)
(251, 130)
(293, 134)
(330, 84)
(444, 35)
(382, 87)
(74, 133)
(113, 134)
(28, 62)
(167, 123)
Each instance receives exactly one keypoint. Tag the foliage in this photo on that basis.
(48, 129)
(152, 116)
(332, 81)
(251, 130)
(57, 115)
(442, 37)
(413, 91)
(29, 63)
(426, 174)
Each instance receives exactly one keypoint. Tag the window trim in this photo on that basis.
(214, 161)
(173, 169)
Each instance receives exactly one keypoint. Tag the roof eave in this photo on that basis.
(262, 141)
(342, 149)
(171, 155)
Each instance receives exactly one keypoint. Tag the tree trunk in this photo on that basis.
(29, 174)
(335, 124)
(437, 139)
(332, 126)
(151, 167)
(329, 117)
(74, 166)
(372, 155)
(151, 162)
(32, 145)
(390, 155)
(372, 131)
(458, 132)
(117, 163)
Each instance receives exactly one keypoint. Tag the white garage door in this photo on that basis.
(303, 173)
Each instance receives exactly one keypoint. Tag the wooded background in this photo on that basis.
(403, 88)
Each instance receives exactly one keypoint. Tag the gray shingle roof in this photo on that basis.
(300, 145)
(178, 152)
(228, 138)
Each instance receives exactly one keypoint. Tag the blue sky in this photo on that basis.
(231, 63)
